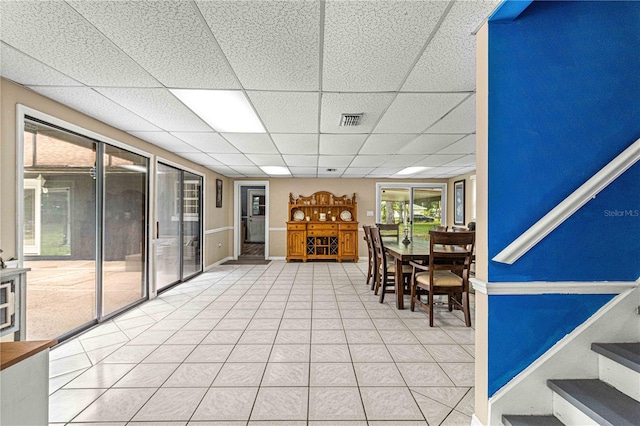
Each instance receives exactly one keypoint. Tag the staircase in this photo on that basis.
(612, 399)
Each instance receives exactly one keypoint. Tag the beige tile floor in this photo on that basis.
(277, 344)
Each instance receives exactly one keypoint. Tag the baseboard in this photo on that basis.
(277, 258)
(218, 263)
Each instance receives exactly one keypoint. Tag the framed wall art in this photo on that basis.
(218, 193)
(458, 202)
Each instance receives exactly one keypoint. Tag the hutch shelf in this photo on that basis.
(322, 226)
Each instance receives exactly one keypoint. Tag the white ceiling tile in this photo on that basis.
(358, 171)
(301, 160)
(55, 34)
(93, 104)
(296, 143)
(465, 170)
(303, 171)
(467, 145)
(370, 45)
(266, 159)
(336, 104)
(224, 170)
(233, 159)
(332, 144)
(18, 67)
(270, 44)
(386, 143)
(443, 171)
(251, 143)
(448, 62)
(403, 160)
(438, 160)
(462, 119)
(159, 107)
(386, 172)
(429, 144)
(166, 141)
(369, 160)
(323, 172)
(167, 38)
(207, 142)
(287, 112)
(464, 161)
(249, 171)
(334, 161)
(414, 112)
(200, 158)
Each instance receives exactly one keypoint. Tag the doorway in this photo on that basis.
(251, 216)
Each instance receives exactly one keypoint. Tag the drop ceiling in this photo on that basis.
(409, 66)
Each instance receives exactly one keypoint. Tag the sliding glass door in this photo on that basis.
(125, 206)
(414, 207)
(84, 232)
(178, 225)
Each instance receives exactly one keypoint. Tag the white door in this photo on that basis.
(255, 215)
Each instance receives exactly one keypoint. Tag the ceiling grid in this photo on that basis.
(408, 66)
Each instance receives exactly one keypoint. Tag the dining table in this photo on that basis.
(418, 249)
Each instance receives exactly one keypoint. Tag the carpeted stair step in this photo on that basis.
(531, 421)
(599, 401)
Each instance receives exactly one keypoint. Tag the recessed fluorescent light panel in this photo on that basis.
(225, 110)
(411, 170)
(276, 170)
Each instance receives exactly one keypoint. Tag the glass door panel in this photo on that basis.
(125, 183)
(191, 224)
(168, 212)
(427, 210)
(394, 207)
(59, 236)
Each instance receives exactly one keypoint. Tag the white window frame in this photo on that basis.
(411, 186)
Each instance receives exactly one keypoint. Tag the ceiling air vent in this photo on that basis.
(350, 119)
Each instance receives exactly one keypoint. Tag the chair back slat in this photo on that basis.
(389, 230)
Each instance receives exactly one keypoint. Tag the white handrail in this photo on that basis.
(570, 205)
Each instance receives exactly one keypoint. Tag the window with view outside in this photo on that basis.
(417, 209)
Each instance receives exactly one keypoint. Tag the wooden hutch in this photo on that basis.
(322, 226)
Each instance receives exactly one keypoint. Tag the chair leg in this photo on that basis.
(376, 283)
(430, 308)
(466, 309)
(413, 297)
(383, 288)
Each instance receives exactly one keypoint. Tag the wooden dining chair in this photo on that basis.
(385, 273)
(447, 273)
(371, 268)
(440, 228)
(389, 230)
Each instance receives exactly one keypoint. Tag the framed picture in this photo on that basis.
(218, 193)
(458, 202)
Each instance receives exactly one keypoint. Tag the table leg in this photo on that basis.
(399, 284)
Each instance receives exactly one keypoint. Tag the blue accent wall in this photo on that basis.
(564, 100)
(523, 327)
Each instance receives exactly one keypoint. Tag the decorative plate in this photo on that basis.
(298, 215)
(345, 215)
